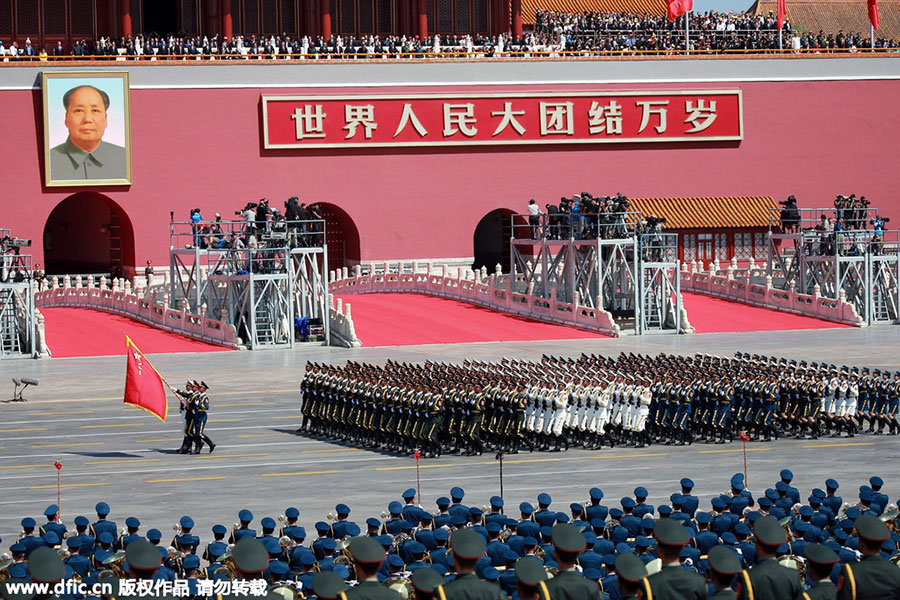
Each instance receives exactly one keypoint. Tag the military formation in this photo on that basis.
(195, 408)
(771, 545)
(593, 401)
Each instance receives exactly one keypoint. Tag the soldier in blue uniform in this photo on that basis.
(102, 525)
(133, 525)
(103, 551)
(214, 550)
(292, 529)
(29, 540)
(52, 524)
(154, 536)
(242, 529)
(340, 527)
(75, 560)
(183, 535)
(201, 413)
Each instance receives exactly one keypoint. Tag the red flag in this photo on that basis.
(779, 18)
(873, 13)
(144, 386)
(676, 8)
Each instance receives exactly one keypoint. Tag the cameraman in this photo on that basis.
(534, 218)
(292, 216)
(248, 214)
(553, 219)
(262, 216)
(878, 234)
(790, 214)
(196, 218)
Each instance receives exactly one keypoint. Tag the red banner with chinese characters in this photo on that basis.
(501, 118)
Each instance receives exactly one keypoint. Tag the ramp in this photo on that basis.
(715, 315)
(411, 319)
(83, 332)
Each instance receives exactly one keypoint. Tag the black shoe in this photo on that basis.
(182, 451)
(211, 447)
(195, 451)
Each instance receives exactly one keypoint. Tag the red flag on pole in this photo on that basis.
(873, 13)
(779, 17)
(676, 8)
(144, 386)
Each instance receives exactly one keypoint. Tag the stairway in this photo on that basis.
(262, 326)
(10, 342)
(883, 306)
(652, 307)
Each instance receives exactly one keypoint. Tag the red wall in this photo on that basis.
(203, 148)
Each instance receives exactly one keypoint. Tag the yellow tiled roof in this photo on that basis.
(831, 16)
(653, 7)
(708, 213)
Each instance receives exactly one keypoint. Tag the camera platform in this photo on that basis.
(617, 262)
(856, 259)
(265, 279)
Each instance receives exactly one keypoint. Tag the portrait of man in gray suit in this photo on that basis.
(85, 156)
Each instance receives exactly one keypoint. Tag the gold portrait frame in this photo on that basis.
(118, 157)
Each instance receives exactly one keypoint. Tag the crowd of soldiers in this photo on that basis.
(818, 544)
(555, 403)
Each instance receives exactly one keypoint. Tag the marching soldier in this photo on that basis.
(201, 411)
(187, 397)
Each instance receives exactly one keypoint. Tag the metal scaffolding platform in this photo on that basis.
(613, 261)
(272, 283)
(856, 256)
(17, 312)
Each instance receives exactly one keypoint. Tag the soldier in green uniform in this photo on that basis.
(724, 564)
(768, 579)
(870, 577)
(467, 546)
(530, 572)
(630, 571)
(367, 558)
(672, 582)
(328, 585)
(820, 560)
(569, 584)
(187, 396)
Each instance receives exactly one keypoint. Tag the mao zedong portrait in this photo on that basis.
(84, 155)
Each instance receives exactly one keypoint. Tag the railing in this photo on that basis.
(134, 300)
(739, 285)
(809, 219)
(474, 54)
(237, 236)
(475, 287)
(577, 226)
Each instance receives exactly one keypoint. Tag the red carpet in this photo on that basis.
(714, 315)
(85, 332)
(411, 319)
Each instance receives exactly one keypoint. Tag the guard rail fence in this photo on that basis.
(749, 284)
(135, 301)
(474, 287)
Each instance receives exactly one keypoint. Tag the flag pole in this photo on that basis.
(687, 32)
(780, 46)
(872, 29)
